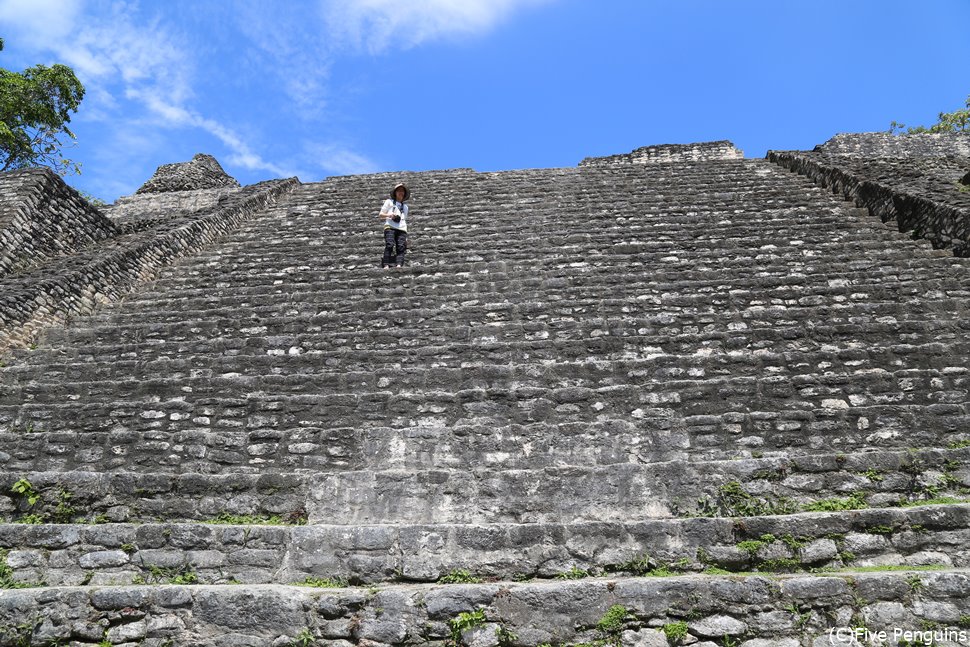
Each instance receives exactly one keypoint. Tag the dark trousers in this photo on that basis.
(395, 244)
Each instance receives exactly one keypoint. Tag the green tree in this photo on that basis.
(35, 108)
(957, 121)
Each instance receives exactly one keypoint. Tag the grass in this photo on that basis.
(751, 547)
(675, 631)
(167, 575)
(732, 501)
(226, 518)
(575, 573)
(304, 639)
(856, 501)
(459, 577)
(612, 622)
(324, 583)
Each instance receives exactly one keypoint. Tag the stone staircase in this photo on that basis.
(690, 401)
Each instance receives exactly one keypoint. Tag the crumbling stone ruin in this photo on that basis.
(672, 397)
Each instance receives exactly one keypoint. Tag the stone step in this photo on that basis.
(295, 433)
(496, 281)
(487, 302)
(856, 378)
(699, 226)
(622, 492)
(227, 552)
(399, 290)
(844, 410)
(619, 492)
(781, 611)
(505, 330)
(616, 236)
(778, 236)
(776, 336)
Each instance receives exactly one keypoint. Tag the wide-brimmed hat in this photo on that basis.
(401, 185)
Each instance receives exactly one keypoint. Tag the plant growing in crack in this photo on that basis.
(465, 621)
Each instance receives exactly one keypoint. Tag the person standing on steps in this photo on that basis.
(394, 213)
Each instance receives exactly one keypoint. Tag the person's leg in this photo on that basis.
(402, 247)
(389, 245)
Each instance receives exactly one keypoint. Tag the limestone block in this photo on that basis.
(717, 626)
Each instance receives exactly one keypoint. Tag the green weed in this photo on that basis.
(856, 501)
(612, 622)
(459, 577)
(465, 621)
(675, 631)
(575, 573)
(324, 583)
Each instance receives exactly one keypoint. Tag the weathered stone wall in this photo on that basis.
(912, 180)
(145, 210)
(928, 204)
(876, 145)
(124, 497)
(668, 153)
(78, 283)
(42, 218)
(73, 555)
(201, 172)
(657, 490)
(780, 611)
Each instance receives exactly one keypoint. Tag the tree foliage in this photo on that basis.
(957, 121)
(35, 108)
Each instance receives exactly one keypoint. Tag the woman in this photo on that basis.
(394, 213)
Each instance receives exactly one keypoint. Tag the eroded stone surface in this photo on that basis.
(201, 172)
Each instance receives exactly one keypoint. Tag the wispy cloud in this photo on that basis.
(154, 74)
(334, 159)
(104, 43)
(381, 25)
(288, 43)
(123, 59)
(173, 115)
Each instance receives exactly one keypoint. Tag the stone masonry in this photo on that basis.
(41, 218)
(671, 397)
(201, 172)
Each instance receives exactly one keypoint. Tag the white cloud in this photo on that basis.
(118, 55)
(44, 21)
(142, 68)
(289, 44)
(381, 25)
(173, 115)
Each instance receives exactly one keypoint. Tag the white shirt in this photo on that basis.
(392, 208)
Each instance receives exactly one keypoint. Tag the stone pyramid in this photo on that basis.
(671, 397)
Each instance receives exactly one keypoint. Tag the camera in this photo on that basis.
(396, 218)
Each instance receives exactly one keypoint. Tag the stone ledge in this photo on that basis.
(682, 488)
(70, 555)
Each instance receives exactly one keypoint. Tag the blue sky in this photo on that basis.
(329, 87)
